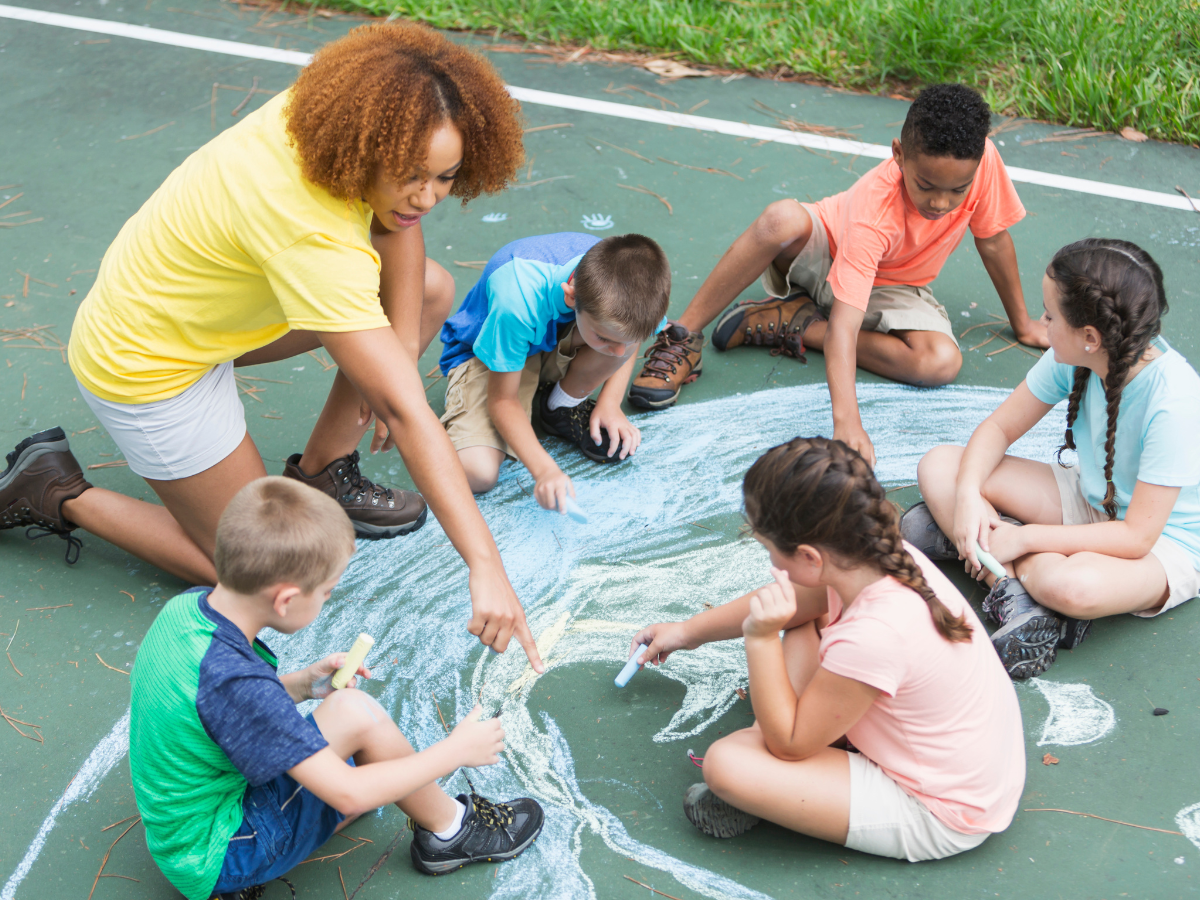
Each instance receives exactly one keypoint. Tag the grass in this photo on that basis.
(1099, 63)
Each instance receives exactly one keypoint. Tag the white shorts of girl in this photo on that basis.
(182, 435)
(1183, 581)
(887, 821)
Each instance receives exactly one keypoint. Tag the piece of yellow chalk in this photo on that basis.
(354, 659)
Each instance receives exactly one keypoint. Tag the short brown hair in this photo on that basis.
(368, 104)
(625, 280)
(278, 530)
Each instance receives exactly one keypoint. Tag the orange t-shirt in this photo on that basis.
(946, 725)
(882, 238)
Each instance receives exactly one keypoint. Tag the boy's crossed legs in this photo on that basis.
(355, 725)
(914, 355)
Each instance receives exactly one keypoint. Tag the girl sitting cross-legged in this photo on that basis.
(1117, 532)
(879, 649)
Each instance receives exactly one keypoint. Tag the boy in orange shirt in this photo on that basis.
(849, 275)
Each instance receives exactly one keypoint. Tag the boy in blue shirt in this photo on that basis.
(552, 318)
(234, 785)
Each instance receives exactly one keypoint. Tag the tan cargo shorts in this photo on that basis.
(898, 307)
(466, 417)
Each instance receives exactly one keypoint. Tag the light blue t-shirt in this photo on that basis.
(515, 308)
(1158, 435)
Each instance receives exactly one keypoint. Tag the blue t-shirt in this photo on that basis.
(515, 308)
(1158, 432)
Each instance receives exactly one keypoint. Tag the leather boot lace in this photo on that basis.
(74, 544)
(359, 486)
(665, 356)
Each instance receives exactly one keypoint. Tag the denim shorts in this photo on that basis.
(282, 823)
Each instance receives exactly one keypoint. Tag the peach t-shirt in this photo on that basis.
(876, 235)
(946, 725)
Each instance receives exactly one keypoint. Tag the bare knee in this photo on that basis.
(354, 716)
(724, 764)
(939, 467)
(482, 469)
(439, 290)
(1068, 588)
(783, 223)
(938, 364)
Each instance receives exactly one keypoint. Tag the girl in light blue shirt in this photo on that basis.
(1117, 531)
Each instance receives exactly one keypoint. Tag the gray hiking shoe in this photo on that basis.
(1028, 638)
(714, 816)
(919, 529)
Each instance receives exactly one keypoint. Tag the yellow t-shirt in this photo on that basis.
(235, 249)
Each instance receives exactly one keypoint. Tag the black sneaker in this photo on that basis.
(919, 529)
(254, 893)
(491, 832)
(714, 816)
(573, 424)
(1029, 634)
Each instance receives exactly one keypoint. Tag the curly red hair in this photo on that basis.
(368, 104)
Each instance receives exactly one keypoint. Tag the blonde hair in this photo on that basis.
(278, 530)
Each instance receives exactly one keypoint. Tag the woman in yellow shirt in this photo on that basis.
(297, 228)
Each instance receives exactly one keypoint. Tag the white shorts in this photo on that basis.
(182, 435)
(1183, 581)
(887, 821)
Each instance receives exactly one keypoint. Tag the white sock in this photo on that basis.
(559, 397)
(455, 826)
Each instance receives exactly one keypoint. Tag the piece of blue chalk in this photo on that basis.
(573, 511)
(631, 667)
(989, 562)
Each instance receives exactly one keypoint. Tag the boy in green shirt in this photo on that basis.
(235, 787)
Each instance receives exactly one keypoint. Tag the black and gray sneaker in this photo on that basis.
(1074, 631)
(714, 816)
(919, 529)
(254, 893)
(491, 832)
(573, 424)
(1029, 634)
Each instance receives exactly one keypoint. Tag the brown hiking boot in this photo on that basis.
(672, 361)
(42, 474)
(377, 512)
(778, 324)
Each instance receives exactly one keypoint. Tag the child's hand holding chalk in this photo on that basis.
(337, 670)
(325, 680)
(631, 667)
(989, 562)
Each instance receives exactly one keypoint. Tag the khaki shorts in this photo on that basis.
(892, 307)
(887, 821)
(466, 417)
(1183, 581)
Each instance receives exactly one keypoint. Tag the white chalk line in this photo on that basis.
(597, 107)
(1077, 715)
(107, 754)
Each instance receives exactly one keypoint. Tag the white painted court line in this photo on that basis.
(597, 107)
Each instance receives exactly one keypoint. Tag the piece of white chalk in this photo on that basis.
(631, 667)
(989, 562)
(354, 659)
(573, 511)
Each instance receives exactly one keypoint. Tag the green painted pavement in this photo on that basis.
(76, 109)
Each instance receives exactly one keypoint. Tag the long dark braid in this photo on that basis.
(1117, 288)
(817, 491)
